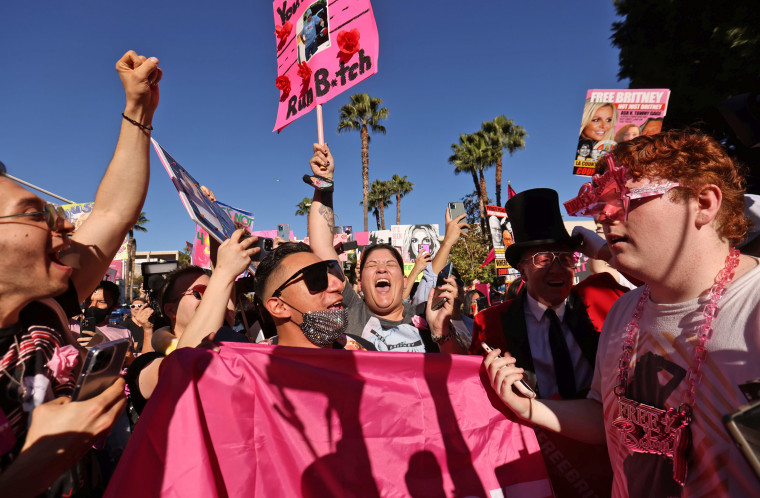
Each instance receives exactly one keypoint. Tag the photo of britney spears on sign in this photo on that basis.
(614, 116)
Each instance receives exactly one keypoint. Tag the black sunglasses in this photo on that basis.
(315, 276)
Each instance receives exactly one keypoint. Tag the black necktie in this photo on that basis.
(563, 364)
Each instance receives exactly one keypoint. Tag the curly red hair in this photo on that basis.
(694, 160)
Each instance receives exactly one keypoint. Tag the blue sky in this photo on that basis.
(444, 67)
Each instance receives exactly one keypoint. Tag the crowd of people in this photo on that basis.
(644, 358)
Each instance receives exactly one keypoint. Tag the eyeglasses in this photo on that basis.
(196, 291)
(545, 259)
(607, 199)
(135, 306)
(614, 206)
(53, 215)
(314, 276)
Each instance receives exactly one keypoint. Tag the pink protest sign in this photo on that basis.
(323, 49)
(256, 420)
(613, 116)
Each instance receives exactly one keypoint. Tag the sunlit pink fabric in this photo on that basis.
(256, 420)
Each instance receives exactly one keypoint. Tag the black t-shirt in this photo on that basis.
(138, 334)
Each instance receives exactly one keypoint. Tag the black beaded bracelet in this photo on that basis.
(139, 125)
(442, 338)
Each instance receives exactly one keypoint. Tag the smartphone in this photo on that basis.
(423, 248)
(457, 209)
(266, 245)
(744, 427)
(349, 245)
(101, 369)
(283, 232)
(527, 392)
(481, 303)
(442, 275)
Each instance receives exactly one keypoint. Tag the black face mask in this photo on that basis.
(97, 315)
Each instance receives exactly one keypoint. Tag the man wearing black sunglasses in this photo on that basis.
(47, 433)
(304, 297)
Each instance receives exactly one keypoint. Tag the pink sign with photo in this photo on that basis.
(323, 49)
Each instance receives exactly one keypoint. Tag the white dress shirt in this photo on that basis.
(537, 326)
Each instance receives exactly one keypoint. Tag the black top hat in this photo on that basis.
(536, 221)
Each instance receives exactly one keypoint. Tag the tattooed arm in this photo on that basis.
(321, 220)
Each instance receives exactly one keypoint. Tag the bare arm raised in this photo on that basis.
(453, 232)
(233, 258)
(122, 191)
(321, 219)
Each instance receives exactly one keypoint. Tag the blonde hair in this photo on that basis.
(588, 114)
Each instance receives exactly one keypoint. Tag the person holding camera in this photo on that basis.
(94, 327)
(140, 325)
(44, 275)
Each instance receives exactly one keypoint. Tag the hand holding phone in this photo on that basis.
(101, 369)
(283, 232)
(266, 245)
(442, 276)
(520, 387)
(457, 209)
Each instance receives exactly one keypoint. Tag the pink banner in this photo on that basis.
(323, 49)
(256, 420)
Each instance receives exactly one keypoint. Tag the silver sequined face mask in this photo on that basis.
(323, 327)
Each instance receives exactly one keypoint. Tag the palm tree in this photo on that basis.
(373, 207)
(381, 192)
(472, 155)
(379, 198)
(131, 248)
(399, 187)
(185, 257)
(303, 207)
(503, 134)
(363, 113)
(463, 164)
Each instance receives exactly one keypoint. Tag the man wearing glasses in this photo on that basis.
(43, 433)
(679, 353)
(139, 324)
(548, 328)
